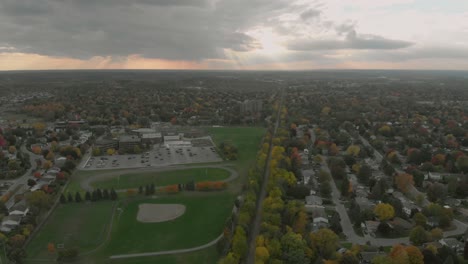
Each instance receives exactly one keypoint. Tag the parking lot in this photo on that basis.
(159, 156)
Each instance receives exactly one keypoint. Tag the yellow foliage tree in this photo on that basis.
(353, 150)
(110, 151)
(261, 255)
(384, 211)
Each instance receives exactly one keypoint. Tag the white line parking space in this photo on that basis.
(159, 156)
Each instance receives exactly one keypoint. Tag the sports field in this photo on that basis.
(246, 139)
(82, 225)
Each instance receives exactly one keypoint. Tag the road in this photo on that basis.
(23, 180)
(259, 207)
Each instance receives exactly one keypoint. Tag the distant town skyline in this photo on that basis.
(238, 35)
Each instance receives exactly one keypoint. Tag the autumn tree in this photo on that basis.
(39, 199)
(51, 248)
(399, 255)
(325, 241)
(11, 149)
(414, 255)
(261, 254)
(353, 150)
(436, 234)
(384, 211)
(239, 242)
(404, 182)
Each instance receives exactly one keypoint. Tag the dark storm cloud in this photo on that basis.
(352, 41)
(180, 29)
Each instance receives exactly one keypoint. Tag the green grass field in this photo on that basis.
(126, 181)
(202, 222)
(82, 225)
(246, 139)
(204, 256)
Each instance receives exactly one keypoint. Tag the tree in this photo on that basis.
(462, 163)
(110, 151)
(420, 219)
(325, 189)
(140, 190)
(384, 211)
(113, 195)
(88, 196)
(47, 165)
(51, 248)
(294, 248)
(437, 234)
(364, 174)
(62, 198)
(69, 198)
(96, 151)
(239, 242)
(436, 192)
(348, 258)
(98, 194)
(353, 150)
(12, 149)
(261, 254)
(404, 182)
(418, 236)
(39, 199)
(31, 182)
(105, 194)
(414, 255)
(345, 187)
(230, 258)
(399, 255)
(78, 197)
(152, 189)
(326, 242)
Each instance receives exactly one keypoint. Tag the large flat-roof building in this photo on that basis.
(151, 138)
(128, 142)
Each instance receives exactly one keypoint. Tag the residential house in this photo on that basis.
(10, 222)
(453, 244)
(364, 203)
(313, 200)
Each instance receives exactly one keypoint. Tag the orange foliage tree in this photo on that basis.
(404, 181)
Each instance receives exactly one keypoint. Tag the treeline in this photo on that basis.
(95, 195)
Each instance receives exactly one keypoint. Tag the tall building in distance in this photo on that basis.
(252, 106)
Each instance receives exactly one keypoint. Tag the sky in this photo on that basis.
(233, 34)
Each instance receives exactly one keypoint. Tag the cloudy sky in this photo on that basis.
(233, 34)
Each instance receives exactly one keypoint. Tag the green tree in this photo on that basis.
(325, 189)
(39, 199)
(294, 248)
(364, 174)
(418, 236)
(78, 197)
(239, 242)
(420, 219)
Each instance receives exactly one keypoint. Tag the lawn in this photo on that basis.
(202, 222)
(246, 139)
(164, 178)
(208, 255)
(82, 225)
